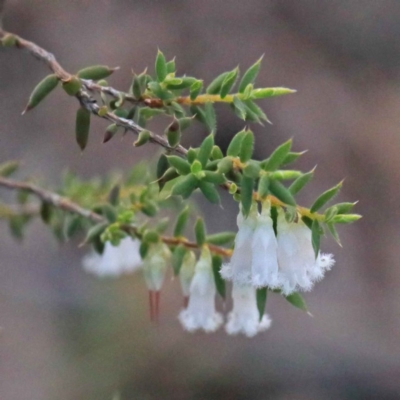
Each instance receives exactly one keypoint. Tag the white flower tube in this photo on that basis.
(239, 268)
(244, 318)
(200, 312)
(186, 274)
(155, 265)
(264, 246)
(115, 260)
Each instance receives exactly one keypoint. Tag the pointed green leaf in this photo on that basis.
(246, 149)
(195, 89)
(261, 295)
(161, 66)
(205, 150)
(281, 193)
(181, 165)
(278, 155)
(246, 195)
(200, 232)
(215, 86)
(8, 168)
(185, 186)
(345, 218)
(228, 82)
(210, 192)
(82, 127)
(333, 232)
(210, 117)
(325, 197)
(181, 222)
(297, 300)
(42, 89)
(315, 236)
(300, 182)
(235, 144)
(250, 75)
(263, 186)
(270, 92)
(177, 258)
(95, 72)
(221, 238)
(240, 108)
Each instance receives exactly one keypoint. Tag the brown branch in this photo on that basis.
(67, 205)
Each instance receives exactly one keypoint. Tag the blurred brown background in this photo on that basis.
(66, 335)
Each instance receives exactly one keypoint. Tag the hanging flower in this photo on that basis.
(186, 274)
(298, 268)
(200, 312)
(155, 265)
(239, 269)
(245, 318)
(264, 265)
(115, 260)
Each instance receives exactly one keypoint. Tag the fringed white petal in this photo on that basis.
(244, 318)
(200, 312)
(264, 247)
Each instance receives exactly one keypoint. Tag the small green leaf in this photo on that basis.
(346, 218)
(225, 165)
(144, 249)
(196, 167)
(95, 232)
(181, 222)
(151, 236)
(221, 238)
(270, 92)
(185, 186)
(113, 196)
(246, 149)
(215, 86)
(277, 156)
(228, 82)
(195, 89)
(216, 153)
(292, 157)
(46, 211)
(177, 258)
(325, 197)
(344, 208)
(300, 182)
(95, 72)
(281, 193)
(72, 86)
(315, 236)
(8, 168)
(161, 66)
(257, 113)
(261, 295)
(82, 127)
(240, 108)
(250, 75)
(236, 144)
(252, 169)
(297, 300)
(171, 66)
(263, 186)
(42, 89)
(110, 132)
(162, 165)
(210, 118)
(181, 165)
(219, 282)
(200, 232)
(333, 232)
(246, 197)
(214, 177)
(210, 192)
(205, 150)
(143, 138)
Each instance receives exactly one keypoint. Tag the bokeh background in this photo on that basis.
(66, 335)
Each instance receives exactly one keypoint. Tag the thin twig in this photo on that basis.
(65, 204)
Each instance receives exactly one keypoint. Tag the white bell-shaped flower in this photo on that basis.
(239, 269)
(200, 312)
(245, 318)
(298, 268)
(264, 266)
(155, 265)
(186, 272)
(115, 260)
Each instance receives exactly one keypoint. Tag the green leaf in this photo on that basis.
(161, 67)
(277, 157)
(235, 144)
(113, 196)
(325, 197)
(263, 186)
(181, 222)
(8, 168)
(205, 150)
(185, 186)
(195, 89)
(252, 108)
(95, 232)
(214, 177)
(221, 238)
(281, 193)
(210, 118)
(215, 86)
(246, 197)
(300, 182)
(330, 213)
(42, 89)
(250, 75)
(181, 165)
(159, 91)
(225, 165)
(252, 169)
(177, 258)
(143, 249)
(46, 211)
(162, 165)
(240, 108)
(315, 236)
(228, 82)
(297, 300)
(216, 153)
(292, 157)
(210, 192)
(72, 86)
(143, 138)
(196, 167)
(219, 282)
(346, 218)
(261, 295)
(246, 149)
(82, 127)
(200, 232)
(333, 232)
(344, 208)
(171, 66)
(95, 72)
(270, 92)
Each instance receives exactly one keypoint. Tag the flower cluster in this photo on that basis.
(285, 261)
